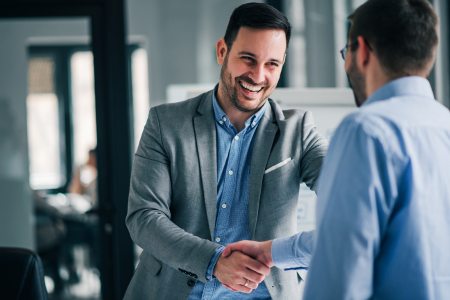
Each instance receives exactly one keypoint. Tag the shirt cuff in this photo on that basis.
(213, 262)
(294, 252)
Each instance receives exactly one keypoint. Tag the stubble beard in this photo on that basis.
(357, 82)
(231, 92)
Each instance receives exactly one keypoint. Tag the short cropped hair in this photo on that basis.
(403, 33)
(257, 16)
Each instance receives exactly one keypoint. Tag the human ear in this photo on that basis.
(221, 51)
(363, 53)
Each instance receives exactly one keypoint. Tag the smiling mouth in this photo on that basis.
(250, 87)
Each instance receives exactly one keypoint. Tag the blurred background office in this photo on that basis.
(67, 139)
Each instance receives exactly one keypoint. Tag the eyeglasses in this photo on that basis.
(344, 50)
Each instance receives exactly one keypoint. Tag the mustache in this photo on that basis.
(248, 80)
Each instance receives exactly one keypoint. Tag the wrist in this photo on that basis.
(211, 271)
(267, 246)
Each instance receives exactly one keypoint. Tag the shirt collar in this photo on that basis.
(221, 117)
(404, 86)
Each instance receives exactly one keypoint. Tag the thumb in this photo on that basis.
(237, 246)
(227, 251)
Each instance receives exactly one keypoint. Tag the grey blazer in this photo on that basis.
(173, 193)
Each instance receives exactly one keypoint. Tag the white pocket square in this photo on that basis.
(278, 165)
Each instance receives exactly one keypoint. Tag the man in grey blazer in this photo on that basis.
(222, 167)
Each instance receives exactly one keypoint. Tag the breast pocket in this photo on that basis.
(279, 170)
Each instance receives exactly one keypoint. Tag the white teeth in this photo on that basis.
(250, 87)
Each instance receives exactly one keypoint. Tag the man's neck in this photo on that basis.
(376, 78)
(236, 116)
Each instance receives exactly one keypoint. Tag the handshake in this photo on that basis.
(243, 265)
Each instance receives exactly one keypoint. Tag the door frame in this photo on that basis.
(113, 119)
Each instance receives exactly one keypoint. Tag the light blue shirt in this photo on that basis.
(233, 170)
(383, 210)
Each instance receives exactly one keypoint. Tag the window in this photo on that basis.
(61, 110)
(297, 49)
(140, 91)
(83, 105)
(43, 125)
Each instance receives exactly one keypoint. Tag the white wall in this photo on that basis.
(180, 39)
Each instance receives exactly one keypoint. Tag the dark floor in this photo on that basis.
(82, 283)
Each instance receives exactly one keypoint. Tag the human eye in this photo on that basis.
(248, 59)
(273, 65)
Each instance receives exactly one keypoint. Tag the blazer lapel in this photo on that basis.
(262, 144)
(205, 137)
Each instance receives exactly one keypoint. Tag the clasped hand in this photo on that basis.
(244, 265)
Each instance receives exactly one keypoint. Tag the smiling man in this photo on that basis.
(223, 167)
(250, 71)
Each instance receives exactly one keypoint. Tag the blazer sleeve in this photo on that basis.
(314, 148)
(149, 216)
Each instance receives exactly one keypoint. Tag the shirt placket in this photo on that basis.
(229, 188)
(225, 201)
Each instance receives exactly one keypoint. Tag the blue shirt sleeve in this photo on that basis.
(292, 253)
(213, 262)
(354, 189)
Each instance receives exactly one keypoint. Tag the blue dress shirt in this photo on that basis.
(233, 170)
(383, 225)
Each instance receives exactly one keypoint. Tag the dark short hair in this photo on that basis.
(258, 16)
(403, 33)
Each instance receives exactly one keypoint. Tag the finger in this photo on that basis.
(257, 266)
(250, 268)
(238, 246)
(230, 248)
(227, 251)
(251, 284)
(241, 288)
(253, 276)
(229, 287)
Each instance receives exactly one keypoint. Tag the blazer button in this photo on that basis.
(191, 282)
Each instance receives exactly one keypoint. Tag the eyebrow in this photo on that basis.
(254, 56)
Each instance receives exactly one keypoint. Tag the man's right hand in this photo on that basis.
(240, 272)
(262, 251)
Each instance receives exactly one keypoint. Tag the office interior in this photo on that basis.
(78, 77)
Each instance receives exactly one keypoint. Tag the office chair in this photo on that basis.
(21, 275)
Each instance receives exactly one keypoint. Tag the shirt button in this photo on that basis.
(220, 122)
(230, 172)
(236, 138)
(224, 119)
(224, 205)
(218, 239)
(253, 123)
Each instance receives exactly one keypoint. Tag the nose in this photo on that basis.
(258, 73)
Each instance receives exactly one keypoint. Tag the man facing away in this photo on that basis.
(222, 167)
(383, 226)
